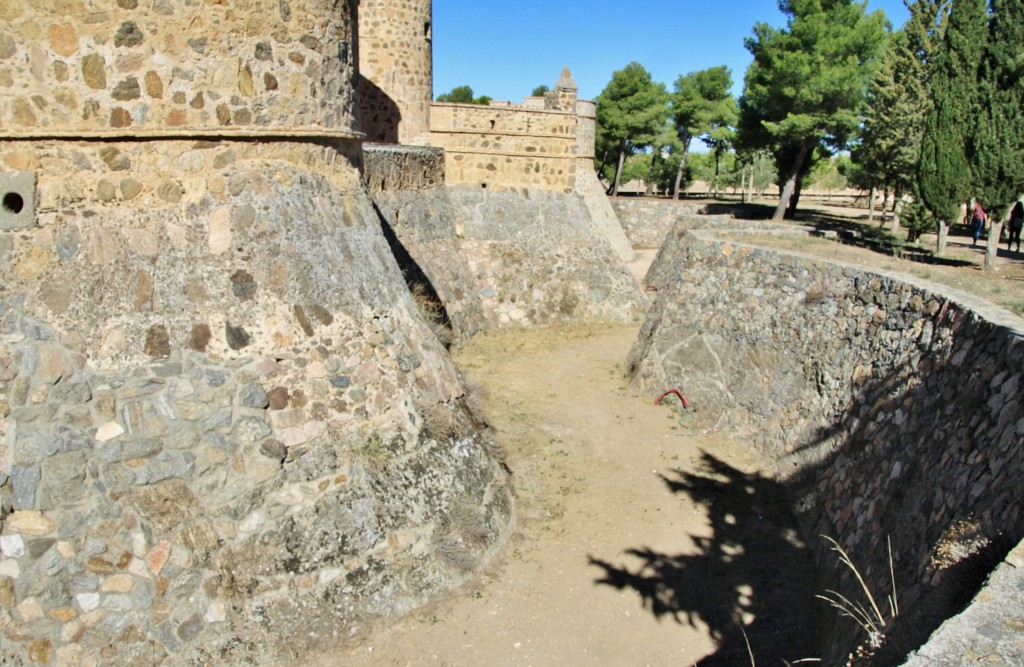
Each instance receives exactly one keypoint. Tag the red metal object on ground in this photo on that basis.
(678, 393)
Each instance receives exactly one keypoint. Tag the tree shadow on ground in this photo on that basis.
(752, 580)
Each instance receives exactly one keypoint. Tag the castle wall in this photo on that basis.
(223, 421)
(396, 70)
(129, 68)
(507, 148)
(499, 259)
(888, 406)
(219, 404)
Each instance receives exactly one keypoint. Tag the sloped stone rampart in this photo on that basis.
(890, 407)
(647, 222)
(502, 258)
(224, 421)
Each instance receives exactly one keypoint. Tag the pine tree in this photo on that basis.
(998, 141)
(897, 105)
(701, 107)
(805, 86)
(944, 171)
(631, 111)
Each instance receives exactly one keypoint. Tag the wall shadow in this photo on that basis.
(902, 452)
(424, 294)
(380, 115)
(752, 580)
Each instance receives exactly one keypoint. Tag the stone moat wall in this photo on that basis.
(890, 408)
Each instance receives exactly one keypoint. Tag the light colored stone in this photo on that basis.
(157, 557)
(102, 246)
(12, 546)
(177, 236)
(216, 613)
(34, 262)
(9, 567)
(142, 242)
(109, 431)
(220, 230)
(30, 610)
(28, 522)
(64, 614)
(118, 583)
(63, 39)
(88, 602)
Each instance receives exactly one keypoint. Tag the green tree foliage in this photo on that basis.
(898, 102)
(463, 95)
(889, 145)
(539, 91)
(830, 174)
(702, 108)
(805, 86)
(665, 144)
(998, 145)
(917, 219)
(944, 172)
(631, 111)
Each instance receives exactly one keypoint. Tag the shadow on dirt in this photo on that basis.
(752, 581)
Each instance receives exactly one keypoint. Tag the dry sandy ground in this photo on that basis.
(640, 540)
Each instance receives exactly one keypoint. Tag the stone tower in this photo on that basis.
(396, 70)
(563, 96)
(178, 68)
(212, 372)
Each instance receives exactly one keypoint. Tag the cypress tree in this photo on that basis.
(944, 172)
(998, 141)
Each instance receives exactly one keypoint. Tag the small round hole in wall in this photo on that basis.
(13, 202)
(483, 185)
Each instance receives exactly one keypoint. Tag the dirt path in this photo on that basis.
(637, 537)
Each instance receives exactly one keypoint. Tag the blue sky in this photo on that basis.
(506, 48)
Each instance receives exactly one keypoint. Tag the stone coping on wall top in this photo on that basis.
(399, 148)
(184, 133)
(987, 310)
(506, 109)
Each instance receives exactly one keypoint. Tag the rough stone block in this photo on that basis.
(24, 482)
(18, 199)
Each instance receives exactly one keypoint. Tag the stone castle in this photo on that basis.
(224, 416)
(236, 237)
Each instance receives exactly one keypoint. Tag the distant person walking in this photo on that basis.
(1016, 223)
(978, 219)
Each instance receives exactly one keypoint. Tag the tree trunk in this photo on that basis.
(795, 200)
(650, 174)
(790, 186)
(743, 184)
(682, 169)
(940, 245)
(885, 205)
(752, 193)
(715, 185)
(897, 211)
(992, 245)
(871, 203)
(618, 168)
